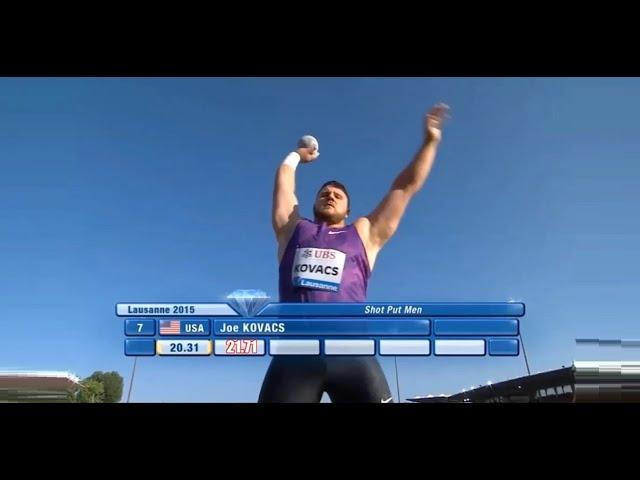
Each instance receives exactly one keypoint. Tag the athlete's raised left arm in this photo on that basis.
(380, 225)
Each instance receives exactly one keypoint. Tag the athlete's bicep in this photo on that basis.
(384, 220)
(284, 220)
(285, 211)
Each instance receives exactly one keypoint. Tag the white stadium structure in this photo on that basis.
(37, 386)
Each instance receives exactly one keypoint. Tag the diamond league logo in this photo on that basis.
(248, 301)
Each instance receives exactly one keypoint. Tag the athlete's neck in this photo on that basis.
(329, 224)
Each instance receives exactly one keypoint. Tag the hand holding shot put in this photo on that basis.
(308, 149)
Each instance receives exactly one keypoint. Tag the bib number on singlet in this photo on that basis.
(318, 268)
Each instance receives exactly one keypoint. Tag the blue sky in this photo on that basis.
(158, 189)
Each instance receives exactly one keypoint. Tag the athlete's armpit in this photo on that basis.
(363, 227)
(284, 234)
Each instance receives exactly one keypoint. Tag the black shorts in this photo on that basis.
(305, 378)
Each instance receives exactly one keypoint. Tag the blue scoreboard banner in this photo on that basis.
(412, 329)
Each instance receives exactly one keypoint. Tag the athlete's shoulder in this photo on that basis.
(362, 226)
(304, 222)
(304, 226)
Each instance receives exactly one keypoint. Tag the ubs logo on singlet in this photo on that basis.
(318, 253)
(325, 254)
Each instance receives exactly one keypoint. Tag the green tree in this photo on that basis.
(112, 383)
(91, 391)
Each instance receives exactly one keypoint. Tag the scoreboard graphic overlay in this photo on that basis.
(409, 329)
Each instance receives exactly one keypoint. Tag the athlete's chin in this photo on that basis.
(328, 215)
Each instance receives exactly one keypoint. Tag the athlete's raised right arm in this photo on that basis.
(285, 214)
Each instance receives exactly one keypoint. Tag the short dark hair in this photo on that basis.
(337, 184)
